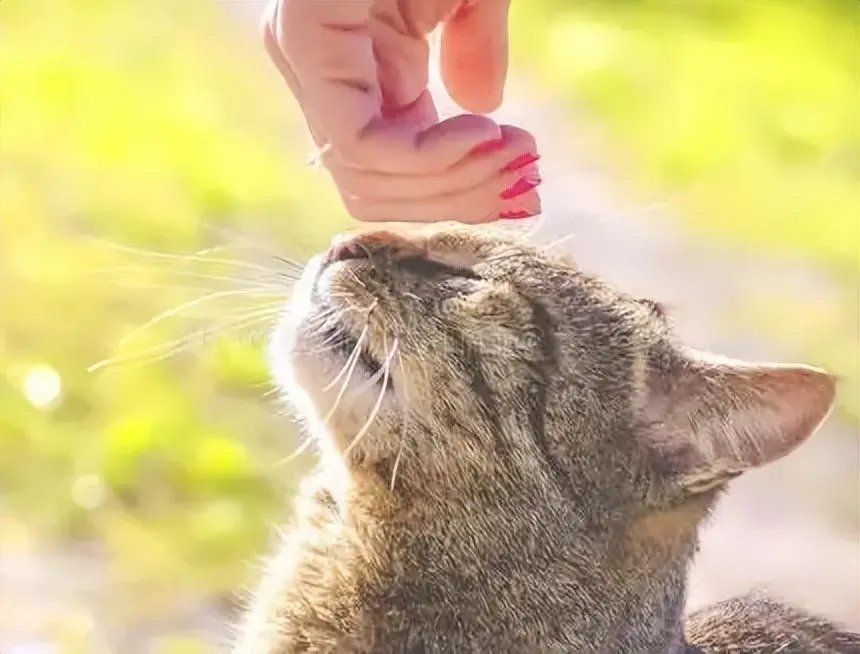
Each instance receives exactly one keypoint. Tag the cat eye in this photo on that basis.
(430, 268)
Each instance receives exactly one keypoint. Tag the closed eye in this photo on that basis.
(430, 268)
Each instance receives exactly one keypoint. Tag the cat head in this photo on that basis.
(460, 359)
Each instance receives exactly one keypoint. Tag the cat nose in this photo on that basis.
(346, 246)
(368, 245)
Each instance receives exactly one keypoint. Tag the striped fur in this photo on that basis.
(535, 476)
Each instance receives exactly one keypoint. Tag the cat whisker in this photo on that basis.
(151, 286)
(301, 449)
(274, 390)
(318, 321)
(177, 310)
(346, 297)
(331, 346)
(605, 218)
(262, 312)
(186, 257)
(561, 241)
(328, 346)
(271, 281)
(166, 350)
(263, 317)
(375, 411)
(403, 430)
(396, 465)
(535, 227)
(256, 245)
(352, 361)
(354, 355)
(355, 278)
(659, 205)
(264, 307)
(290, 263)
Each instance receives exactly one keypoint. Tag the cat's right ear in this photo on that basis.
(709, 419)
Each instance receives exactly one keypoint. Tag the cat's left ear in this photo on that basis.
(709, 419)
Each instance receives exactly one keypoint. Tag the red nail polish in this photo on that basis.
(487, 146)
(521, 162)
(513, 215)
(461, 11)
(519, 187)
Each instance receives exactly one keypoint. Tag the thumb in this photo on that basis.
(474, 54)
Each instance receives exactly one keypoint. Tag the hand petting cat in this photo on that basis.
(359, 70)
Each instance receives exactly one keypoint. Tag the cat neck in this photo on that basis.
(650, 622)
(630, 602)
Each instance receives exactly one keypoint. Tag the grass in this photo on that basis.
(152, 125)
(752, 109)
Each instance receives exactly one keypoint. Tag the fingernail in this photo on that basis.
(464, 8)
(514, 215)
(521, 162)
(487, 146)
(519, 187)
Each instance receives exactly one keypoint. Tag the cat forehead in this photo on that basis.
(540, 273)
(458, 245)
(544, 273)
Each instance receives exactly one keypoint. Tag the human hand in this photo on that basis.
(359, 70)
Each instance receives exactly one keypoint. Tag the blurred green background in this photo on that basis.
(159, 125)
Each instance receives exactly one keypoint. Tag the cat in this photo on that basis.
(514, 457)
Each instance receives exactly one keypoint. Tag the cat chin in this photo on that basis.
(320, 364)
(326, 383)
(360, 419)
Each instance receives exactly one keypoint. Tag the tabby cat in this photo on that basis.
(514, 457)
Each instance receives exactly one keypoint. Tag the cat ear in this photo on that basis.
(710, 419)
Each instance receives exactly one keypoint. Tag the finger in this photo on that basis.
(402, 62)
(510, 193)
(414, 191)
(516, 152)
(328, 47)
(474, 55)
(404, 143)
(268, 25)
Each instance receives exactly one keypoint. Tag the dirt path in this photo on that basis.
(777, 528)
